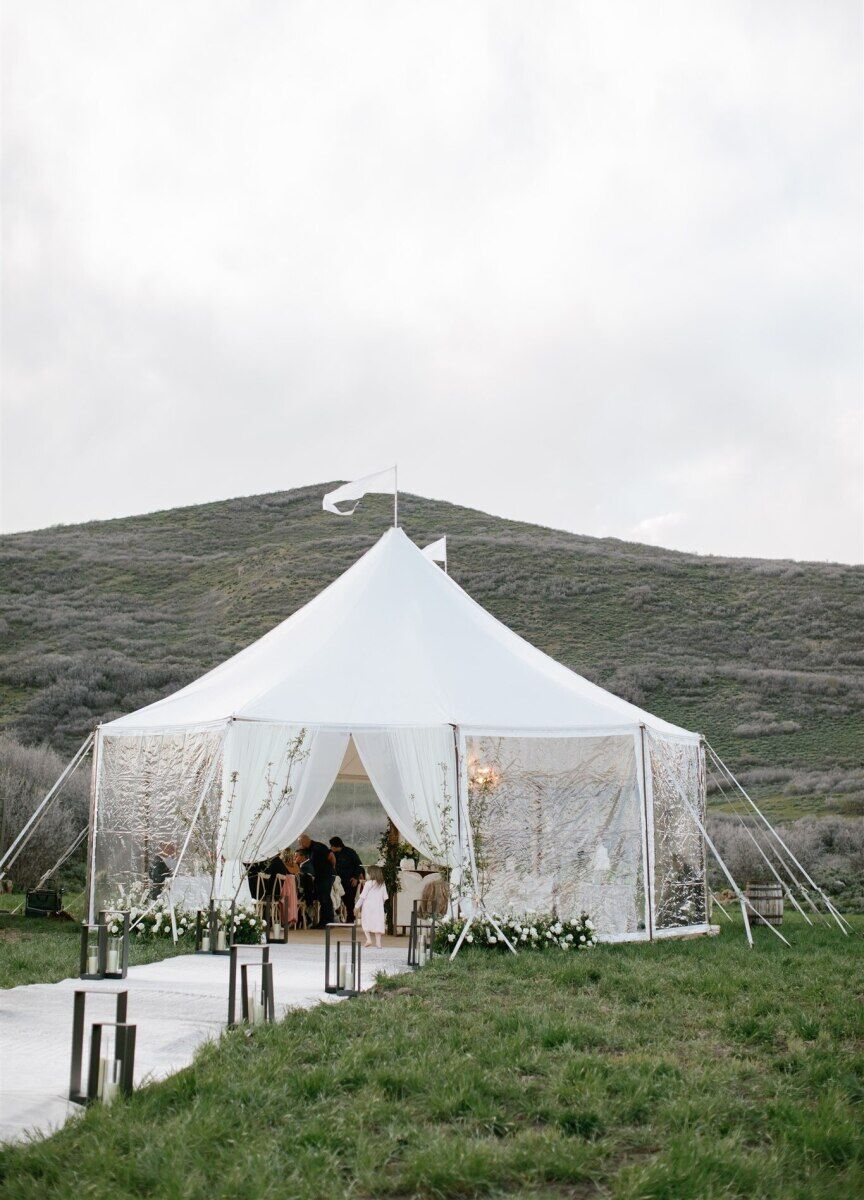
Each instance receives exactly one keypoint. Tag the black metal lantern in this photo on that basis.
(113, 1072)
(264, 951)
(221, 940)
(277, 931)
(341, 970)
(202, 932)
(116, 947)
(94, 949)
(421, 938)
(257, 1004)
(125, 1049)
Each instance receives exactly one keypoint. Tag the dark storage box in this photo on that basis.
(43, 903)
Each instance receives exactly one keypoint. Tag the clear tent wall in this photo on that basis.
(601, 824)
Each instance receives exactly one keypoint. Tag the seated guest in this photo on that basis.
(349, 868)
(305, 875)
(265, 878)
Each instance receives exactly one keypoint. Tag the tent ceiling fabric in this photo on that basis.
(352, 767)
(394, 641)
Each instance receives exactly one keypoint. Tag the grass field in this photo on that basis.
(38, 950)
(677, 1070)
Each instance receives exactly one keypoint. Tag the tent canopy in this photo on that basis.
(394, 641)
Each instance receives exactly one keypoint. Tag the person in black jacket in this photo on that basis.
(349, 868)
(324, 867)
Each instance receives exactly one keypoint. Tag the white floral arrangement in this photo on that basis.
(248, 925)
(151, 920)
(528, 932)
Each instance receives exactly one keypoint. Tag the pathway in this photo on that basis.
(177, 1005)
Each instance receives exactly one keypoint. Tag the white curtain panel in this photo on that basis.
(276, 777)
(413, 771)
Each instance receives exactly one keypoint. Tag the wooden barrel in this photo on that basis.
(767, 900)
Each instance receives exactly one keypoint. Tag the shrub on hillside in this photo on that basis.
(26, 775)
(831, 849)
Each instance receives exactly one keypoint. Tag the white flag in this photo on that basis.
(381, 481)
(437, 551)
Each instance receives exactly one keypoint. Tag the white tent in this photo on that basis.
(477, 745)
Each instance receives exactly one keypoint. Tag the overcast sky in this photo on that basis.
(593, 265)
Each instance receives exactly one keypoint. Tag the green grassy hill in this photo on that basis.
(765, 657)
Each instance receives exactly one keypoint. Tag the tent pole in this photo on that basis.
(396, 496)
(838, 917)
(703, 797)
(458, 761)
(36, 817)
(91, 824)
(649, 879)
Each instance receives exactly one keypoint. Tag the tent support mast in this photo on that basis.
(94, 816)
(649, 879)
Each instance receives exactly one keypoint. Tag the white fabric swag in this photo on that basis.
(413, 772)
(275, 779)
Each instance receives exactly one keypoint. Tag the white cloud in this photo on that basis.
(614, 247)
(656, 530)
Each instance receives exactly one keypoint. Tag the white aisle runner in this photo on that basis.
(177, 1005)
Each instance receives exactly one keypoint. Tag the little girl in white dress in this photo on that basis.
(370, 905)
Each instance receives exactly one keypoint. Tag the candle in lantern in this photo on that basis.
(343, 976)
(92, 961)
(109, 1076)
(205, 942)
(221, 943)
(113, 966)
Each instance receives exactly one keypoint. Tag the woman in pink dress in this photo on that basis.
(289, 891)
(370, 905)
